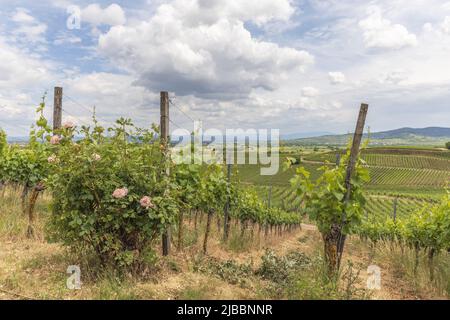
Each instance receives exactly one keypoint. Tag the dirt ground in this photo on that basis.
(34, 269)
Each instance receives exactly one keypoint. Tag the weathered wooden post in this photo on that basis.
(226, 221)
(395, 209)
(338, 159)
(269, 197)
(164, 128)
(354, 152)
(57, 108)
(357, 138)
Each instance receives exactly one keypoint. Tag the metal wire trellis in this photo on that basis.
(179, 109)
(172, 122)
(86, 109)
(77, 118)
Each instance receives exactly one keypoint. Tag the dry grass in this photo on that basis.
(13, 222)
(35, 269)
(398, 279)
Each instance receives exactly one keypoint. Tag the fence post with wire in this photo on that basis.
(164, 134)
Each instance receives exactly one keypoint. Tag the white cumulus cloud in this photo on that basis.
(23, 79)
(27, 27)
(112, 15)
(336, 77)
(22, 16)
(259, 12)
(203, 48)
(445, 25)
(379, 32)
(310, 92)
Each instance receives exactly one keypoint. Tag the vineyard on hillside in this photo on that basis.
(404, 204)
(391, 169)
(395, 173)
(409, 177)
(115, 200)
(378, 207)
(438, 162)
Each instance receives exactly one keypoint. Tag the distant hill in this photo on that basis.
(432, 132)
(301, 135)
(17, 139)
(403, 136)
(431, 136)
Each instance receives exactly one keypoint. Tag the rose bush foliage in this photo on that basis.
(109, 193)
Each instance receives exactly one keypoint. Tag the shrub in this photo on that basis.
(278, 268)
(325, 201)
(28, 166)
(229, 271)
(110, 195)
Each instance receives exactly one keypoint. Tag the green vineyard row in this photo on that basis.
(390, 160)
(381, 177)
(378, 207)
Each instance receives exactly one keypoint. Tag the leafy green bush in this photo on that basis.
(28, 167)
(427, 228)
(110, 195)
(248, 207)
(324, 200)
(229, 271)
(3, 142)
(278, 268)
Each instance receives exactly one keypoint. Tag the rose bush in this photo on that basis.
(110, 196)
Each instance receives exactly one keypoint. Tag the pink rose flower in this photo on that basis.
(96, 157)
(69, 125)
(55, 140)
(146, 202)
(120, 193)
(52, 159)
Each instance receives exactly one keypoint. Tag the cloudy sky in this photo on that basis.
(296, 65)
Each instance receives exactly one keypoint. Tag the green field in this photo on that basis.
(412, 176)
(381, 207)
(378, 207)
(397, 161)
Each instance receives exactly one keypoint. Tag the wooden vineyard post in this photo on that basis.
(208, 228)
(395, 209)
(269, 198)
(226, 220)
(357, 138)
(57, 108)
(354, 152)
(338, 159)
(31, 207)
(164, 128)
(57, 113)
